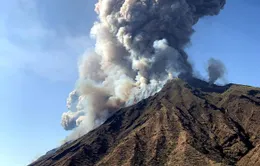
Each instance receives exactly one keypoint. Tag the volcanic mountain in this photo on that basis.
(187, 123)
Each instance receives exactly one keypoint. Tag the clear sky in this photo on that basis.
(41, 41)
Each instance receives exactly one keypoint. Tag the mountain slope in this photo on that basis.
(187, 123)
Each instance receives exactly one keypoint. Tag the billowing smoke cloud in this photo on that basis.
(216, 70)
(139, 45)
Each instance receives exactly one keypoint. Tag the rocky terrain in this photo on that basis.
(187, 123)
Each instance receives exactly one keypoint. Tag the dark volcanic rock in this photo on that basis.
(186, 124)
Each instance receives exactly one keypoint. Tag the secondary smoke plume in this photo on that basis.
(216, 70)
(139, 45)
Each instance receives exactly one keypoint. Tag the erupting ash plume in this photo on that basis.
(216, 70)
(139, 45)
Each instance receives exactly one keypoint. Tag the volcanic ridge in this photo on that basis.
(189, 122)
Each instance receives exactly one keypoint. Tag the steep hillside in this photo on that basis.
(187, 123)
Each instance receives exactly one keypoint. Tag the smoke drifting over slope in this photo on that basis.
(139, 45)
(216, 70)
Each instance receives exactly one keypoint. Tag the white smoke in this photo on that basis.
(139, 46)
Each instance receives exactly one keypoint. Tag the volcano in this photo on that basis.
(189, 122)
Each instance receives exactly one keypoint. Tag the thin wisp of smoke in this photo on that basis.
(139, 46)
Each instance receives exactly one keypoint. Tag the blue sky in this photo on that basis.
(41, 41)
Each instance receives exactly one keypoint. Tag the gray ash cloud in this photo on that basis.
(139, 45)
(216, 70)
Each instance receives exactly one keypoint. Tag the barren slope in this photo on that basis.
(189, 124)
